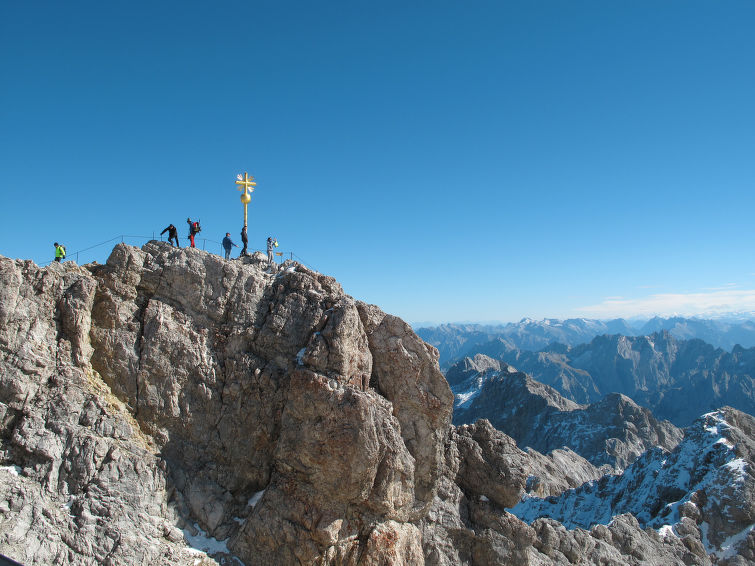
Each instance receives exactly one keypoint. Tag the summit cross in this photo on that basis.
(246, 186)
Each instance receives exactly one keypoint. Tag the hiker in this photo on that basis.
(194, 229)
(227, 243)
(244, 240)
(270, 256)
(60, 252)
(172, 235)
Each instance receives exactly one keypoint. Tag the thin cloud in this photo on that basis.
(723, 287)
(669, 304)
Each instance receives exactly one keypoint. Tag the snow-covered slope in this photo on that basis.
(705, 484)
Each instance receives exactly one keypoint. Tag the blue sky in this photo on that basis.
(446, 161)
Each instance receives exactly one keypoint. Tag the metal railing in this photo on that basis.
(129, 239)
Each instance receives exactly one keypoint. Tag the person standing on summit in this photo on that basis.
(227, 243)
(193, 230)
(60, 252)
(244, 240)
(270, 257)
(172, 235)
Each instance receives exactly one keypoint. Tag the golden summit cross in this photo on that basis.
(246, 186)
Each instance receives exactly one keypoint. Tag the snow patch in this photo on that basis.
(254, 499)
(729, 546)
(463, 399)
(667, 531)
(204, 543)
(465, 392)
(738, 467)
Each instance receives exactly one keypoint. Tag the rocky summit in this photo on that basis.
(612, 432)
(171, 407)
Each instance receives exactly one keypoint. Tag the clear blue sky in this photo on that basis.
(446, 161)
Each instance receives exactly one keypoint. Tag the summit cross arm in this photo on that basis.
(246, 186)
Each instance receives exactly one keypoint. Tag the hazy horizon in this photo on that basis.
(636, 321)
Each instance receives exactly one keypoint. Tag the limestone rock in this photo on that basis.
(171, 407)
(187, 384)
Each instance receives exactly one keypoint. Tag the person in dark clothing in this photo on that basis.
(244, 240)
(227, 243)
(172, 235)
(191, 232)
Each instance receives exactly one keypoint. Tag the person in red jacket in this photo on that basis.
(193, 230)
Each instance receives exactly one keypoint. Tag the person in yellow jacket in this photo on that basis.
(60, 252)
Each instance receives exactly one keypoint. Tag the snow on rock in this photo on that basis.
(254, 499)
(612, 432)
(707, 478)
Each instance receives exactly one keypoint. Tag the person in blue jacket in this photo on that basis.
(227, 243)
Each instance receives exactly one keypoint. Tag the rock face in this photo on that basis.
(703, 491)
(612, 432)
(171, 407)
(467, 524)
(173, 385)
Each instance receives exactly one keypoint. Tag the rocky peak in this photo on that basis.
(171, 407)
(612, 432)
(467, 368)
(239, 382)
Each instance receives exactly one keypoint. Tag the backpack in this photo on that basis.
(196, 228)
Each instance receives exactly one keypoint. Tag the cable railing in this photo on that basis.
(88, 253)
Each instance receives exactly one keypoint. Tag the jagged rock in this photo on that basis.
(701, 493)
(77, 474)
(171, 401)
(490, 464)
(559, 470)
(613, 432)
(231, 380)
(471, 367)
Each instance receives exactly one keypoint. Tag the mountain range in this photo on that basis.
(677, 379)
(455, 341)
